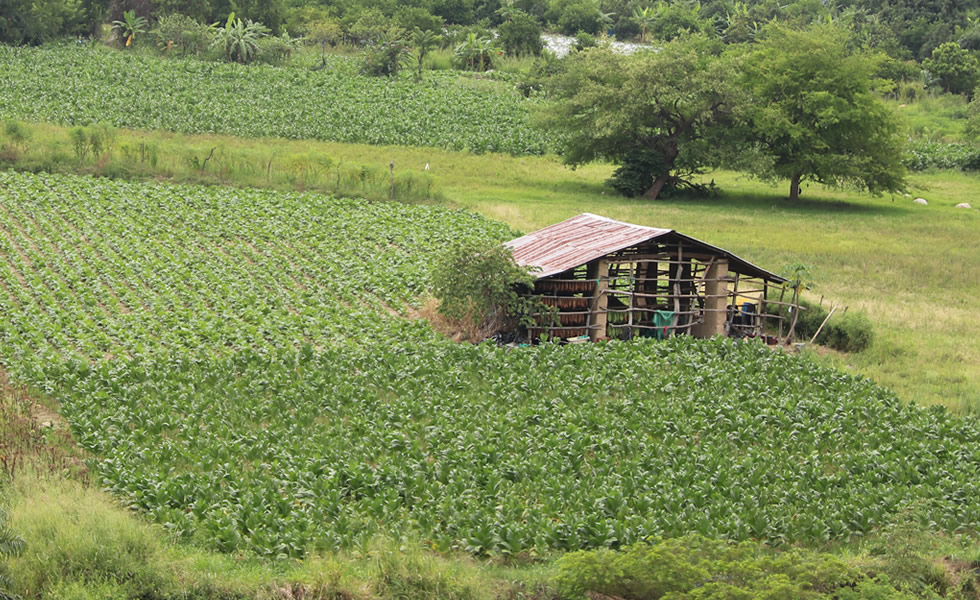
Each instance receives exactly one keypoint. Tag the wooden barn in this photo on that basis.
(610, 279)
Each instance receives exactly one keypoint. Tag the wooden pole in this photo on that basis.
(819, 329)
(600, 300)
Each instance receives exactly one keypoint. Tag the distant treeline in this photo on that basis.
(904, 29)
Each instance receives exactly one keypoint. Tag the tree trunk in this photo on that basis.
(794, 187)
(669, 155)
(658, 185)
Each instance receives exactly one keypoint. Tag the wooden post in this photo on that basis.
(715, 300)
(598, 271)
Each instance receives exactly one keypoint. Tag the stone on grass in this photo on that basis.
(963, 205)
(922, 201)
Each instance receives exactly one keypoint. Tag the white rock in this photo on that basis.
(963, 205)
(922, 201)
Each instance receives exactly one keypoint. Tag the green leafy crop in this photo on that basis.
(232, 360)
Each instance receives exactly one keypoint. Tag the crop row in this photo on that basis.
(81, 85)
(230, 359)
(98, 268)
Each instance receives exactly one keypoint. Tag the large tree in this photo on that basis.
(661, 114)
(815, 116)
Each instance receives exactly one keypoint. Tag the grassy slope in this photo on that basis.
(914, 269)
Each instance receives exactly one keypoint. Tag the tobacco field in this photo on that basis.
(236, 364)
(81, 85)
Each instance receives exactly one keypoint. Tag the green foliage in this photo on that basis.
(370, 25)
(179, 306)
(239, 40)
(848, 332)
(336, 103)
(411, 18)
(475, 53)
(130, 27)
(520, 35)
(38, 21)
(412, 575)
(10, 545)
(955, 69)
(424, 42)
(675, 19)
(644, 18)
(580, 15)
(923, 155)
(972, 129)
(815, 115)
(478, 284)
(697, 568)
(96, 139)
(609, 108)
(277, 49)
(182, 34)
(17, 134)
(584, 40)
(636, 173)
(385, 56)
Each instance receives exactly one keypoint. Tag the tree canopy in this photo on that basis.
(660, 114)
(815, 116)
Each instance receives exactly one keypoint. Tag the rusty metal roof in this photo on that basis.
(586, 237)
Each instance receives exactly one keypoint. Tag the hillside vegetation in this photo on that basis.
(179, 327)
(82, 85)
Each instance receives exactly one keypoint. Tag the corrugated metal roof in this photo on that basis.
(576, 241)
(586, 237)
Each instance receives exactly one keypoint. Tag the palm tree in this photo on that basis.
(130, 26)
(474, 53)
(239, 39)
(424, 42)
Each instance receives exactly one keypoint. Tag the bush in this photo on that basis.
(521, 35)
(580, 16)
(585, 40)
(180, 33)
(848, 332)
(410, 18)
(921, 155)
(851, 333)
(697, 567)
(17, 134)
(477, 286)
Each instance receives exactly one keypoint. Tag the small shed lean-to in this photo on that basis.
(610, 279)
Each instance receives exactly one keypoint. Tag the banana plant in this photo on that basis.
(239, 40)
(130, 27)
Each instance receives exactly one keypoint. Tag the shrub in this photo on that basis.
(921, 154)
(17, 134)
(848, 332)
(412, 17)
(697, 567)
(521, 35)
(851, 333)
(585, 40)
(477, 286)
(177, 32)
(580, 16)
